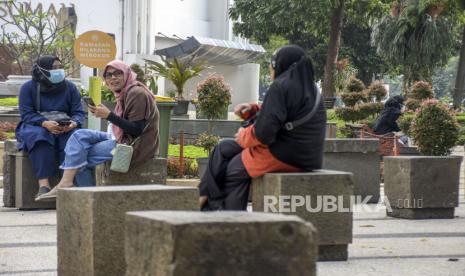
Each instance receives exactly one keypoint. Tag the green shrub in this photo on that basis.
(412, 104)
(370, 109)
(207, 141)
(376, 91)
(351, 99)
(434, 129)
(214, 96)
(421, 90)
(190, 167)
(404, 122)
(354, 85)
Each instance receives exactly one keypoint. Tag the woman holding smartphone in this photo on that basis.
(135, 119)
(44, 139)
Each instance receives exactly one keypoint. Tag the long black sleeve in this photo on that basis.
(132, 128)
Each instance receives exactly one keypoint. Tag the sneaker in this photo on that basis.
(51, 195)
(42, 190)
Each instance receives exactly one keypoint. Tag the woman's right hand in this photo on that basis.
(242, 108)
(53, 127)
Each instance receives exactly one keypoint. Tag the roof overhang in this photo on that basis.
(213, 51)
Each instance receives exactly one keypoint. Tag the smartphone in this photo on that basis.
(64, 123)
(89, 101)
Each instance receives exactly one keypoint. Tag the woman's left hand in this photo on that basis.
(100, 111)
(70, 127)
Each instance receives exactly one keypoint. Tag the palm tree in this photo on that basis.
(414, 39)
(178, 72)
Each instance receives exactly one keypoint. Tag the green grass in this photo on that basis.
(189, 151)
(331, 118)
(9, 101)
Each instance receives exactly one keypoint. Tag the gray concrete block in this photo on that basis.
(335, 227)
(360, 157)
(422, 182)
(9, 173)
(26, 185)
(219, 243)
(153, 171)
(90, 223)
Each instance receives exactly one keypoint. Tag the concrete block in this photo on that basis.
(334, 226)
(20, 183)
(9, 174)
(26, 185)
(360, 157)
(219, 243)
(422, 186)
(153, 171)
(90, 223)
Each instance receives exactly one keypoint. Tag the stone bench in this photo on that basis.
(360, 157)
(90, 223)
(153, 171)
(218, 243)
(20, 183)
(299, 194)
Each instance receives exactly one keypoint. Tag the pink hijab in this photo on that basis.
(129, 78)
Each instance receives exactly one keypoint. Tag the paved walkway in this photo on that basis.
(381, 245)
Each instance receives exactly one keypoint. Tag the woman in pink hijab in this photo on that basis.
(135, 115)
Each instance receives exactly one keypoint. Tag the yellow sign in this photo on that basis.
(94, 49)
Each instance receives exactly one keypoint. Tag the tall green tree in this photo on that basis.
(316, 25)
(417, 37)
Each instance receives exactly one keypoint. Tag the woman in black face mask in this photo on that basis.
(51, 110)
(287, 135)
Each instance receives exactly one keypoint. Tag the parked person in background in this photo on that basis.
(265, 145)
(135, 116)
(44, 139)
(387, 120)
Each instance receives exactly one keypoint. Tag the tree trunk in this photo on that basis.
(333, 49)
(460, 79)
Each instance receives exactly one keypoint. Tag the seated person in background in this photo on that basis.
(387, 120)
(265, 145)
(44, 139)
(136, 115)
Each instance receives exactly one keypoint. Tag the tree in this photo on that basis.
(316, 27)
(417, 37)
(27, 35)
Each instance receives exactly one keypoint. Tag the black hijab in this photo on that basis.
(292, 60)
(39, 76)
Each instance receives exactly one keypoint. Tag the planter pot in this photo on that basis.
(408, 151)
(422, 187)
(223, 116)
(181, 108)
(361, 158)
(202, 163)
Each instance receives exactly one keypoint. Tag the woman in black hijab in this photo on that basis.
(387, 120)
(40, 135)
(287, 135)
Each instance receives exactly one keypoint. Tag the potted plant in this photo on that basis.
(426, 186)
(178, 72)
(213, 98)
(207, 141)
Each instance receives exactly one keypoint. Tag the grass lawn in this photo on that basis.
(9, 101)
(190, 151)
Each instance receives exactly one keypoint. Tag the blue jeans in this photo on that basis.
(87, 148)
